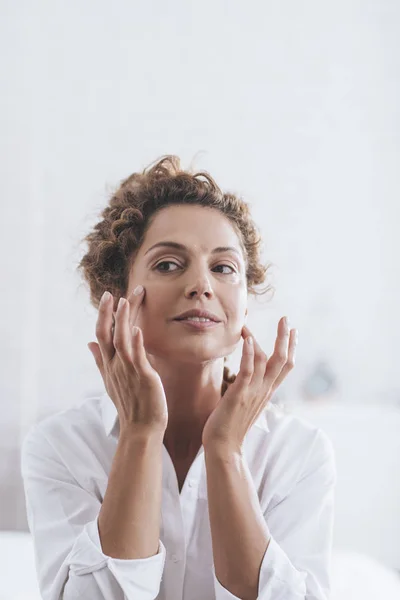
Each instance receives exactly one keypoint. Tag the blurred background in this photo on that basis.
(292, 104)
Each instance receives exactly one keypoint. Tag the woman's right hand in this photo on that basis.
(130, 380)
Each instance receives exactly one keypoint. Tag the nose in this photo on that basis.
(199, 286)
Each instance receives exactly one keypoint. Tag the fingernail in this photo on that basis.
(287, 323)
(250, 340)
(105, 297)
(138, 290)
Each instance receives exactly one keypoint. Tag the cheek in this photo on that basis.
(236, 314)
(236, 304)
(156, 307)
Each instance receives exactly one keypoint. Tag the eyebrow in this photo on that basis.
(185, 249)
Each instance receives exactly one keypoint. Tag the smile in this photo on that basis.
(197, 323)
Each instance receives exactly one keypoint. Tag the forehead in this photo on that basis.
(199, 227)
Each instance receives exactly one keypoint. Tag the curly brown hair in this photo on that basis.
(115, 240)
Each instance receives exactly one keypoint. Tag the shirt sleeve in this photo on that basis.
(63, 520)
(297, 562)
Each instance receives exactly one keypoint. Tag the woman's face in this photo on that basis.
(176, 280)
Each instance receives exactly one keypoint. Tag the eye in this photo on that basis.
(167, 262)
(232, 269)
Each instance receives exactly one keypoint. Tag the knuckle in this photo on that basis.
(290, 363)
(243, 401)
(247, 372)
(122, 352)
(262, 357)
(100, 333)
(118, 343)
(281, 356)
(124, 356)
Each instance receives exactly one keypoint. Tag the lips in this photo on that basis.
(197, 319)
(205, 314)
(195, 324)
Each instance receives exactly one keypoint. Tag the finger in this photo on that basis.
(140, 360)
(278, 359)
(246, 368)
(135, 300)
(103, 328)
(122, 332)
(290, 363)
(260, 362)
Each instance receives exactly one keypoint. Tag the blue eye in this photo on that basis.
(167, 262)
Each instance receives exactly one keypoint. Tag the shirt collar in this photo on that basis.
(111, 422)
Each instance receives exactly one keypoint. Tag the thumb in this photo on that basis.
(96, 353)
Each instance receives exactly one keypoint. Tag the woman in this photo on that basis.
(180, 481)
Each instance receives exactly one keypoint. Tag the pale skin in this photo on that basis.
(190, 365)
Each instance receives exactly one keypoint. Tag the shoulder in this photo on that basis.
(286, 426)
(296, 448)
(66, 430)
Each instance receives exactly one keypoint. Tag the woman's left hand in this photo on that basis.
(248, 395)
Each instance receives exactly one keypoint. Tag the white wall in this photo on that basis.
(295, 105)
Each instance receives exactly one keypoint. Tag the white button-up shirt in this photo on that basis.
(65, 463)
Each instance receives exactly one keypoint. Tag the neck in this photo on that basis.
(192, 392)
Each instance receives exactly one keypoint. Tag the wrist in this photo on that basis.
(132, 434)
(223, 450)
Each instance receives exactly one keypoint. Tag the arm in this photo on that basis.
(129, 519)
(66, 522)
(240, 535)
(295, 534)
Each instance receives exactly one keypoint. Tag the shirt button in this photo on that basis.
(192, 483)
(174, 558)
